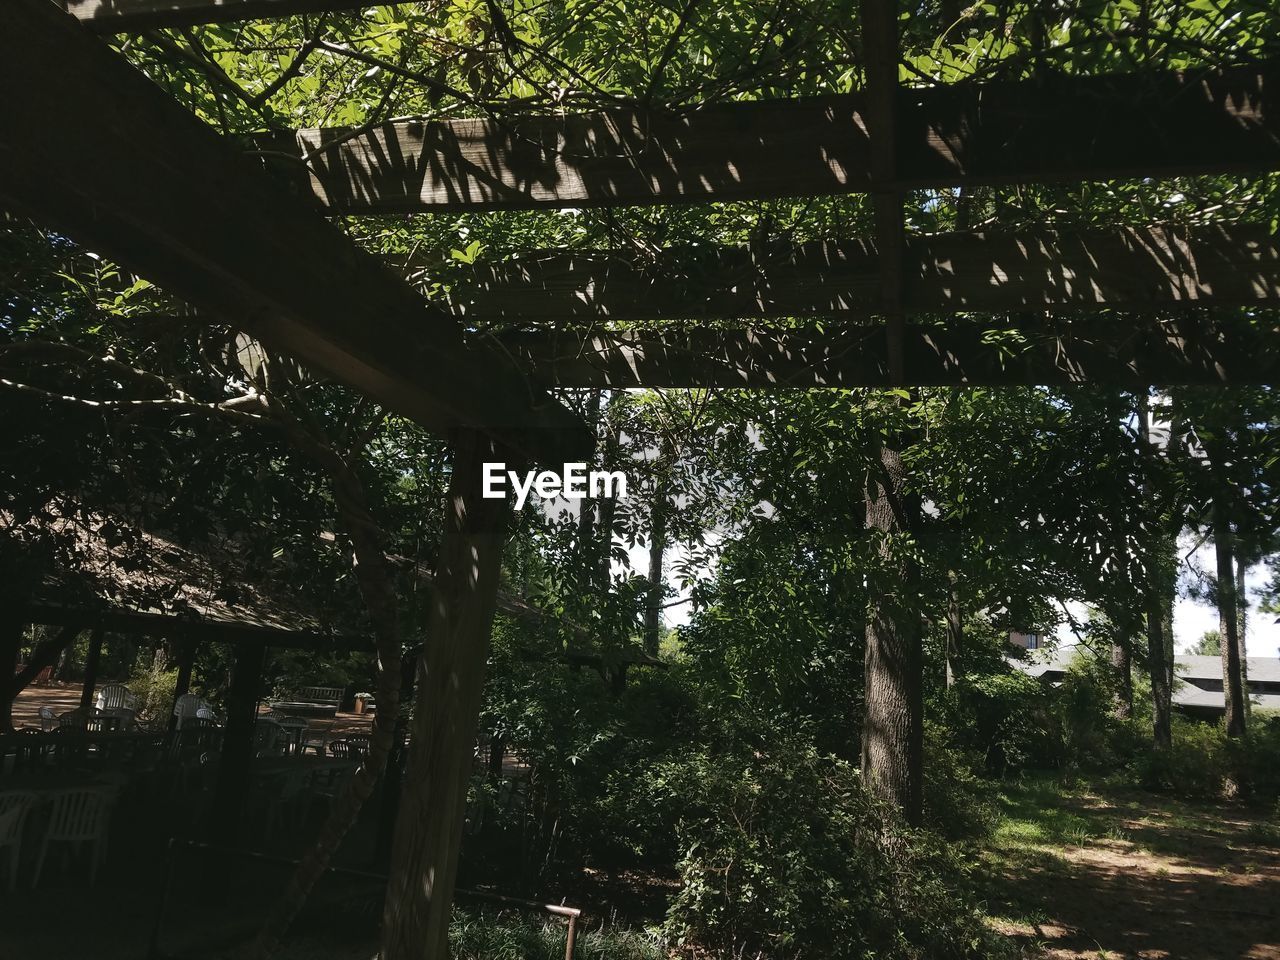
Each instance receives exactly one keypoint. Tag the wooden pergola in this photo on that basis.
(92, 148)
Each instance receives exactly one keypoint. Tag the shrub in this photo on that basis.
(958, 803)
(1203, 762)
(786, 855)
(154, 687)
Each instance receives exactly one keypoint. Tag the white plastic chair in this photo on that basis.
(116, 696)
(187, 706)
(48, 719)
(78, 817)
(14, 808)
(117, 700)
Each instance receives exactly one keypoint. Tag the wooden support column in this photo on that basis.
(236, 761)
(91, 668)
(880, 60)
(393, 775)
(450, 678)
(10, 641)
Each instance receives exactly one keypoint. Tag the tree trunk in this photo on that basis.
(657, 547)
(892, 733)
(955, 628)
(377, 585)
(91, 661)
(1120, 663)
(1232, 690)
(450, 680)
(1161, 692)
(46, 652)
(1242, 622)
(1158, 599)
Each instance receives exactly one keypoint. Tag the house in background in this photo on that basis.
(1197, 690)
(1027, 641)
(1200, 693)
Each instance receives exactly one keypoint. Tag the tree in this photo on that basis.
(1209, 645)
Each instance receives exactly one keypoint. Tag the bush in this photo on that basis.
(1204, 763)
(154, 687)
(786, 855)
(958, 803)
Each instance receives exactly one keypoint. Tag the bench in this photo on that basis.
(321, 701)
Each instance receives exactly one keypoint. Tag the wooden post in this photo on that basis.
(10, 641)
(450, 678)
(91, 668)
(236, 761)
(393, 775)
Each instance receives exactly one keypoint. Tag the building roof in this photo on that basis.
(1197, 667)
(1189, 695)
(143, 581)
(1052, 664)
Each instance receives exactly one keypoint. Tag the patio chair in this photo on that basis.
(30, 753)
(77, 719)
(344, 749)
(294, 730)
(116, 696)
(186, 707)
(360, 743)
(48, 719)
(206, 713)
(268, 738)
(117, 700)
(79, 817)
(14, 808)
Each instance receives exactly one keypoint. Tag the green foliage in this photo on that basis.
(1204, 763)
(487, 935)
(154, 687)
(786, 855)
(1209, 645)
(958, 802)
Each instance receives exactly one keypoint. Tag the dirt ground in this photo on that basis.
(1135, 876)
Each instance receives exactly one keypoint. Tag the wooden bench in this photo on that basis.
(309, 700)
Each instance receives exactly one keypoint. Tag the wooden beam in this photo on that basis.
(94, 149)
(120, 16)
(1052, 128)
(1189, 351)
(1129, 267)
(880, 56)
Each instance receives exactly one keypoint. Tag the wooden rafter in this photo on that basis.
(1189, 351)
(880, 57)
(119, 16)
(1130, 267)
(1052, 128)
(95, 149)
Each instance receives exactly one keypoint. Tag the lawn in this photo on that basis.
(1085, 871)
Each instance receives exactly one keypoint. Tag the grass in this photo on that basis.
(1077, 870)
(509, 936)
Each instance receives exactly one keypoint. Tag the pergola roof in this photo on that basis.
(140, 178)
